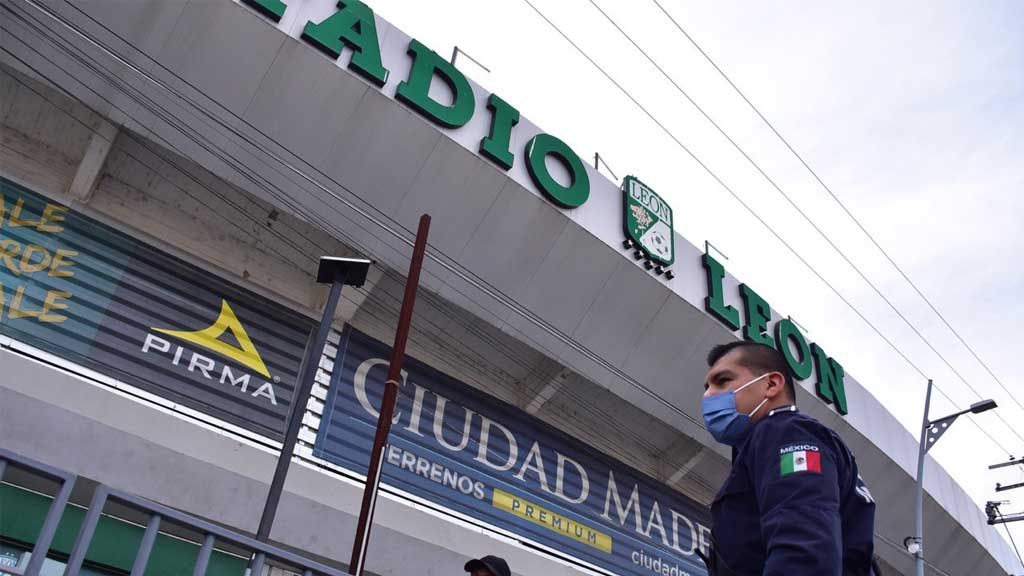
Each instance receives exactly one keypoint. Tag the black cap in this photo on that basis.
(496, 565)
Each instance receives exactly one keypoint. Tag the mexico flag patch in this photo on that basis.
(801, 458)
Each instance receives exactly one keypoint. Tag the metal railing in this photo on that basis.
(67, 482)
(212, 534)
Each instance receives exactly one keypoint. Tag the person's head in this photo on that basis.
(488, 566)
(733, 365)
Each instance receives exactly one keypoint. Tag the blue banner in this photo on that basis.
(93, 295)
(458, 447)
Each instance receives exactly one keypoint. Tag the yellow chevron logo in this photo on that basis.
(209, 338)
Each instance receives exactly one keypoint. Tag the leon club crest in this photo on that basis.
(647, 220)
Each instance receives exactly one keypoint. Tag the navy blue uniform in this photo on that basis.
(793, 503)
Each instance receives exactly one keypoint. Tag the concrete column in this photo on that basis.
(548, 391)
(90, 168)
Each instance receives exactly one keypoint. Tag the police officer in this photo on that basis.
(793, 503)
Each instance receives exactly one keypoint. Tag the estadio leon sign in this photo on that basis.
(647, 218)
(804, 359)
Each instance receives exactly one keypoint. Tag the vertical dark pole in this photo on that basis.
(387, 408)
(922, 449)
(310, 363)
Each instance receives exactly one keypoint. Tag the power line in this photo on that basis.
(149, 106)
(578, 400)
(469, 277)
(839, 202)
(800, 211)
(756, 216)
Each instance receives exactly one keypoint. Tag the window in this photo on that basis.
(14, 556)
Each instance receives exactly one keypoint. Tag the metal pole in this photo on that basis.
(1012, 462)
(86, 532)
(256, 568)
(203, 559)
(146, 547)
(387, 408)
(1001, 488)
(49, 529)
(919, 489)
(310, 363)
(1005, 520)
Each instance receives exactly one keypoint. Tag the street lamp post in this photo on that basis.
(931, 431)
(337, 272)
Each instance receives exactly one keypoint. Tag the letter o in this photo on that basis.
(786, 330)
(537, 151)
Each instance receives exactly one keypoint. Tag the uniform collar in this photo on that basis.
(782, 410)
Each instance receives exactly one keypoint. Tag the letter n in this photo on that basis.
(830, 386)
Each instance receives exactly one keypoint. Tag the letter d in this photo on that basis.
(485, 437)
(415, 91)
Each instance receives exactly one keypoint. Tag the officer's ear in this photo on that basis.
(776, 385)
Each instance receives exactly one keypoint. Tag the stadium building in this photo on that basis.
(172, 170)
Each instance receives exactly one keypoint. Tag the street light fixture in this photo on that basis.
(337, 272)
(979, 407)
(931, 431)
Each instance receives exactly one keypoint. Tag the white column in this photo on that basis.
(91, 166)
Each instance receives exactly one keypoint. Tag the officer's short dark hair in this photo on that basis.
(758, 358)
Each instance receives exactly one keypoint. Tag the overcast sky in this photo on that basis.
(911, 112)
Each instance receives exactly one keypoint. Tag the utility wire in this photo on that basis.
(466, 275)
(758, 217)
(800, 211)
(604, 416)
(579, 402)
(840, 203)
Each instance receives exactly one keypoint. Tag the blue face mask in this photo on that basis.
(724, 422)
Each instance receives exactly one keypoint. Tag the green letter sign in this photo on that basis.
(802, 364)
(272, 9)
(415, 91)
(353, 26)
(496, 145)
(830, 380)
(714, 302)
(571, 196)
(757, 315)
